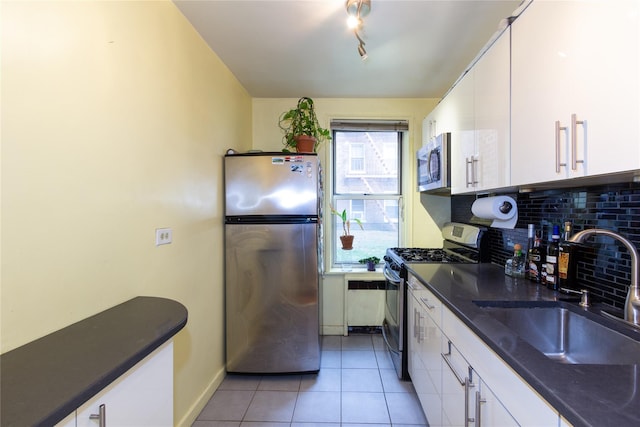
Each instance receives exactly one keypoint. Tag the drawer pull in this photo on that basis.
(446, 357)
(426, 303)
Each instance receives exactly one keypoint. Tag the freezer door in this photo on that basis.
(271, 280)
(272, 184)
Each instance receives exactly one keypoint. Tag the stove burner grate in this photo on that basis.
(425, 255)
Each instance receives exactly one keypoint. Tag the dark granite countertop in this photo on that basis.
(45, 380)
(584, 394)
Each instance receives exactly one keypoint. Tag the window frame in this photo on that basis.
(335, 197)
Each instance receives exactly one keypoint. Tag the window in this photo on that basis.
(366, 182)
(356, 157)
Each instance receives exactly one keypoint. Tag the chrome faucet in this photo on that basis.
(632, 304)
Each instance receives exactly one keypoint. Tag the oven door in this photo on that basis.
(393, 328)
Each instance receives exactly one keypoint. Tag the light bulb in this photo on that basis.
(353, 22)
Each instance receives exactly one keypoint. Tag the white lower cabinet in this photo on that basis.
(468, 401)
(424, 337)
(141, 397)
(459, 380)
(524, 404)
(489, 410)
(456, 387)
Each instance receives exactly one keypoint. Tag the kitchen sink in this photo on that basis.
(565, 335)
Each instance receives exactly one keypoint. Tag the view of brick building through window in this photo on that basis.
(366, 182)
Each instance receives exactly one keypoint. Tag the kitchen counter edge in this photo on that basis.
(459, 285)
(45, 380)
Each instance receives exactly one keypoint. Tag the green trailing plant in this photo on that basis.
(346, 221)
(302, 120)
(372, 259)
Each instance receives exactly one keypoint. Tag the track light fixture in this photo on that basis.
(361, 43)
(358, 9)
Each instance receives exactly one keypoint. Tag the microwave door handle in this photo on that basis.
(434, 155)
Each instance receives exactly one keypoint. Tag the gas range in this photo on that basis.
(463, 243)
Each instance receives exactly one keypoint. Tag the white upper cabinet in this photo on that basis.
(492, 115)
(462, 135)
(575, 92)
(480, 141)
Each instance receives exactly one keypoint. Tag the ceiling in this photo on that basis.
(294, 48)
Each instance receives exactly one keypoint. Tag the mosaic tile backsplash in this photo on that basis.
(604, 265)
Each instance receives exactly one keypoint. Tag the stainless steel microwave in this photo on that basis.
(434, 165)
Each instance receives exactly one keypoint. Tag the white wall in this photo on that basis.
(115, 118)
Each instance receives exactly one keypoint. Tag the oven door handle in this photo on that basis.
(389, 277)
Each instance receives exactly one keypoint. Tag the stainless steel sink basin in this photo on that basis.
(567, 336)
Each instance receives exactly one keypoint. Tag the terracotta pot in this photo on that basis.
(305, 144)
(347, 242)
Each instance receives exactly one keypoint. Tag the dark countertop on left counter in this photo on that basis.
(45, 380)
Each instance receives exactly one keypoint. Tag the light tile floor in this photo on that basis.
(356, 385)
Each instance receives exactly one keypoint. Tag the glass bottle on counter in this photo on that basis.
(534, 259)
(551, 279)
(531, 232)
(566, 259)
(517, 262)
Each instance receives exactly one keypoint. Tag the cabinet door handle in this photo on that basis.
(468, 164)
(479, 401)
(558, 130)
(420, 328)
(467, 419)
(101, 416)
(415, 322)
(574, 140)
(474, 171)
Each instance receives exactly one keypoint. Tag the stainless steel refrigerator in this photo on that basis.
(272, 259)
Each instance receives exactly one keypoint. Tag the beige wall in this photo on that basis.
(424, 214)
(115, 117)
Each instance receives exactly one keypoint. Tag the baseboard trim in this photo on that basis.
(333, 330)
(197, 407)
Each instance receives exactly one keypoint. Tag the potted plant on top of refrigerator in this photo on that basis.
(302, 132)
(347, 237)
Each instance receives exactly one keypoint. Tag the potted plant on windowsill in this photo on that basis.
(302, 132)
(371, 262)
(347, 237)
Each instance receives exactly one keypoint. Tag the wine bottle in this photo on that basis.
(534, 259)
(530, 241)
(551, 279)
(566, 259)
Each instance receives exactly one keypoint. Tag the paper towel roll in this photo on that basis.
(502, 209)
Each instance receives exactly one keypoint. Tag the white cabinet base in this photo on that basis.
(141, 397)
